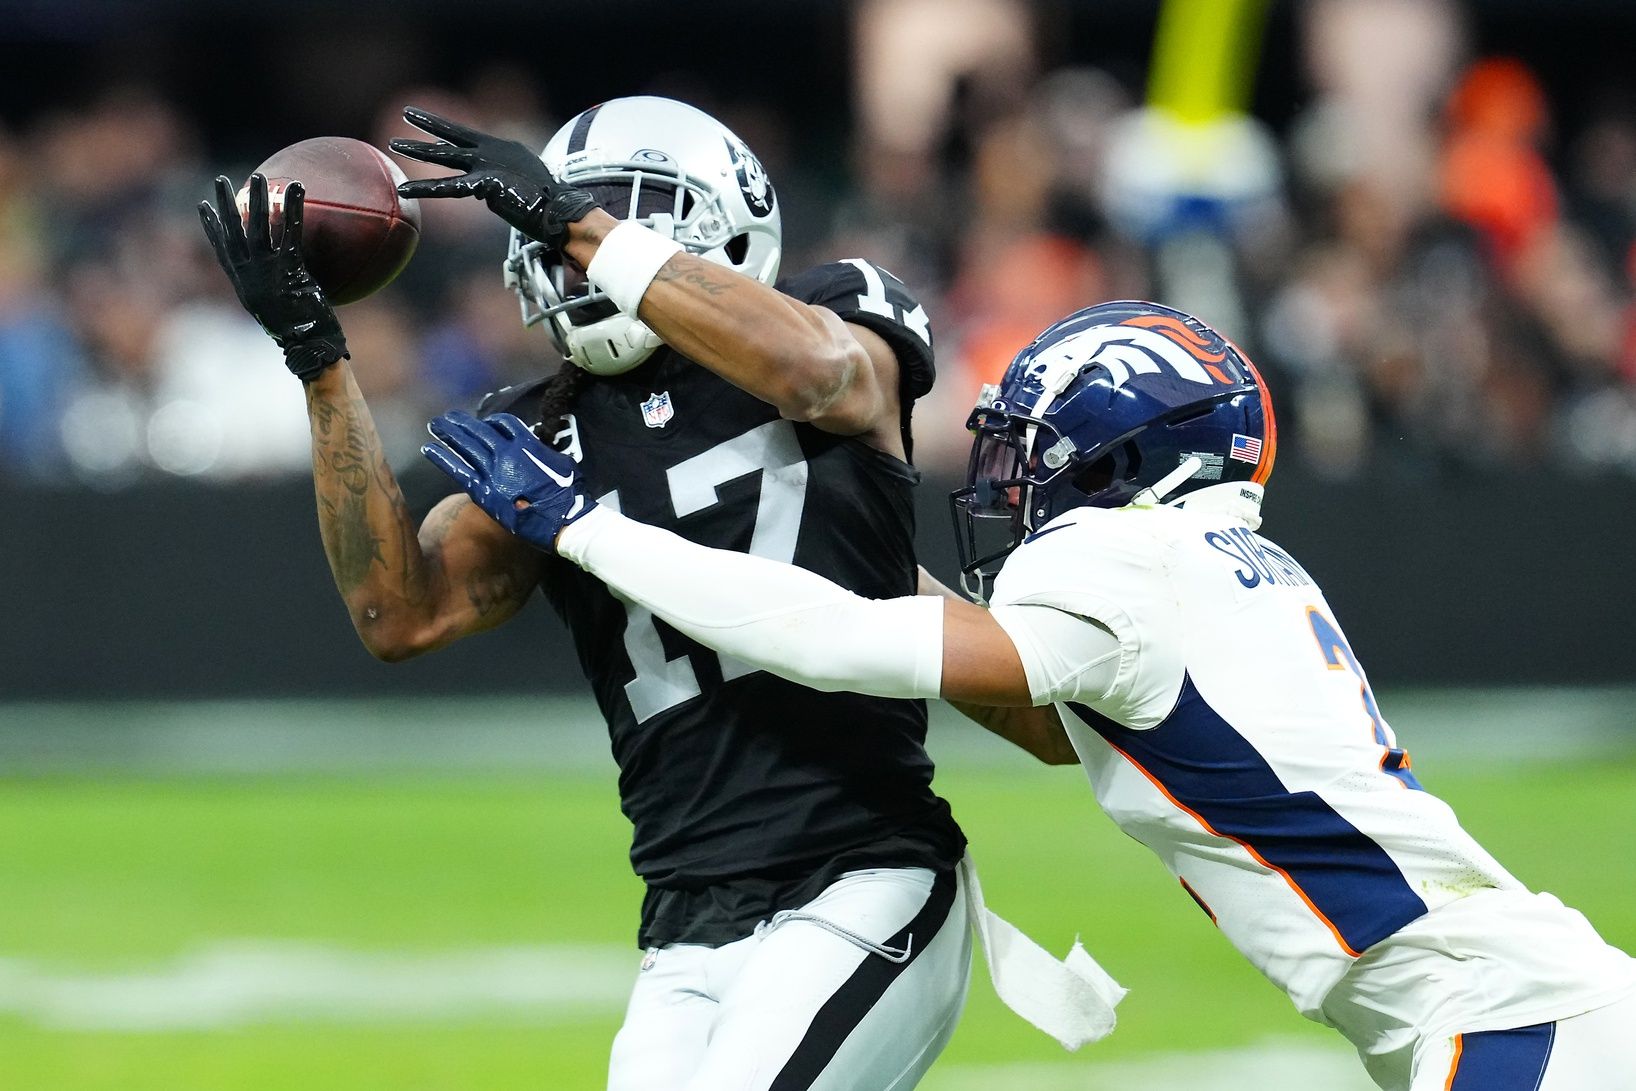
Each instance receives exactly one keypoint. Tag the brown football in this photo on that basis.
(357, 233)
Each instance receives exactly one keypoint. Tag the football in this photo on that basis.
(357, 234)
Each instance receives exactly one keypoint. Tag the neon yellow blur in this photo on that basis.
(1205, 56)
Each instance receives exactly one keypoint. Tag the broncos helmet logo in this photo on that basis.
(1128, 349)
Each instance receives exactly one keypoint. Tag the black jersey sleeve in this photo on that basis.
(865, 293)
(522, 400)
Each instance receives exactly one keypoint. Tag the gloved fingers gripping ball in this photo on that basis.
(228, 242)
(521, 483)
(506, 175)
(272, 282)
(359, 234)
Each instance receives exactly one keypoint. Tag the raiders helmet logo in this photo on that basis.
(752, 179)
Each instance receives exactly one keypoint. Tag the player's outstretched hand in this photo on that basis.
(272, 281)
(524, 485)
(506, 175)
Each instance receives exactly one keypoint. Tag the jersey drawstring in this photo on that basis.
(890, 954)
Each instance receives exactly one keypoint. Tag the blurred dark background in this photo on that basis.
(1417, 216)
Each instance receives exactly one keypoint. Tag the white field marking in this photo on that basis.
(236, 983)
(1272, 1064)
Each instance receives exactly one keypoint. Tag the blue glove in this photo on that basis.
(524, 485)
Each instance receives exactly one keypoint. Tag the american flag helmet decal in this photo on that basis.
(1245, 448)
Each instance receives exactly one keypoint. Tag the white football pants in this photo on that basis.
(858, 990)
(1595, 1051)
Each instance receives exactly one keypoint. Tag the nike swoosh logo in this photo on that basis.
(565, 482)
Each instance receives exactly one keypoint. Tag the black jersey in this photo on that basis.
(750, 793)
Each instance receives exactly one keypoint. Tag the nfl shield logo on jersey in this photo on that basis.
(657, 410)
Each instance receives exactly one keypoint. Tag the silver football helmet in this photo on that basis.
(671, 167)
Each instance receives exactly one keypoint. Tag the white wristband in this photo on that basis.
(627, 261)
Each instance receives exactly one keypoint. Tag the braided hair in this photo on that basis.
(558, 396)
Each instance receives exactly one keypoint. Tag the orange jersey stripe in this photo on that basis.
(1204, 905)
(1454, 1065)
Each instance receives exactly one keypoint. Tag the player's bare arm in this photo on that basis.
(803, 359)
(407, 593)
(800, 358)
(1036, 729)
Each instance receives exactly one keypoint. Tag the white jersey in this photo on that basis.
(1225, 723)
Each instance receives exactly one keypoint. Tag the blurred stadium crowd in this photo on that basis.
(1436, 273)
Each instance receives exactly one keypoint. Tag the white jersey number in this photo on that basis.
(874, 300)
(773, 451)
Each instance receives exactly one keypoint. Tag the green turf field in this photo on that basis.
(108, 885)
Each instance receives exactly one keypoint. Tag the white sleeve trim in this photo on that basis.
(777, 617)
(1065, 656)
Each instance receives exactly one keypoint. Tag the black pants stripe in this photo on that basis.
(847, 1006)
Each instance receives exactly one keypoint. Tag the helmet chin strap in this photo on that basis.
(973, 585)
(612, 346)
(1169, 483)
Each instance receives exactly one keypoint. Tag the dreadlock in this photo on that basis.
(558, 396)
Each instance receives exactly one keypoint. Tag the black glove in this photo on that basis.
(273, 282)
(506, 175)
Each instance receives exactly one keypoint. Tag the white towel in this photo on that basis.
(1072, 1000)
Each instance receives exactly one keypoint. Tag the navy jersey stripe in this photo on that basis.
(1210, 770)
(1503, 1060)
(582, 130)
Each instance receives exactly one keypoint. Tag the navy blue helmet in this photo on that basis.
(1117, 403)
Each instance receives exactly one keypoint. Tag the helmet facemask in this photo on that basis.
(995, 511)
(586, 326)
(1022, 474)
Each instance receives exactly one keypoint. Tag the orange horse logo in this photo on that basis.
(1187, 338)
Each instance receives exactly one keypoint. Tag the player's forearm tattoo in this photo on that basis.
(687, 269)
(362, 516)
(589, 231)
(351, 448)
(353, 547)
(489, 591)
